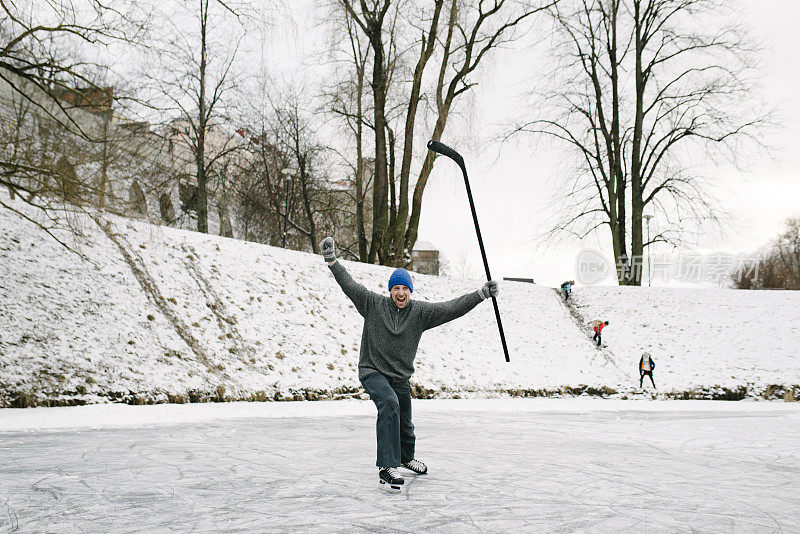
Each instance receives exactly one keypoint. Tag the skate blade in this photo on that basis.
(390, 488)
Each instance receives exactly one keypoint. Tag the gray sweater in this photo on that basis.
(391, 335)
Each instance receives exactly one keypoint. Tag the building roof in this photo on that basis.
(341, 185)
(425, 245)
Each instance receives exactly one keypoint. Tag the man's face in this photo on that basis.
(401, 295)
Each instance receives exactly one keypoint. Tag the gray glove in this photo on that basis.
(328, 248)
(490, 289)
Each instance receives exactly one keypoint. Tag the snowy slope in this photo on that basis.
(159, 311)
(700, 337)
(164, 314)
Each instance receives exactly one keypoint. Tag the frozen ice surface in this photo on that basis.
(712, 467)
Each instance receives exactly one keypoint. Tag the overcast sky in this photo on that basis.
(513, 186)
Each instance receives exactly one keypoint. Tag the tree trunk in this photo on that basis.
(398, 229)
(380, 198)
(443, 109)
(304, 179)
(101, 193)
(640, 81)
(202, 121)
(390, 259)
(416, 205)
(617, 174)
(360, 229)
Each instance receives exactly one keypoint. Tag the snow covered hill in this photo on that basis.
(159, 314)
(701, 337)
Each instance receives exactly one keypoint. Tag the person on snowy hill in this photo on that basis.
(646, 366)
(393, 326)
(566, 287)
(598, 326)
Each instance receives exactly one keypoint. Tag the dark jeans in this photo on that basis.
(641, 377)
(394, 429)
(597, 337)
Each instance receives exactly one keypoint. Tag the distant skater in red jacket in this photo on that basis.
(598, 326)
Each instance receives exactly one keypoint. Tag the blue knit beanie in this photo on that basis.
(400, 277)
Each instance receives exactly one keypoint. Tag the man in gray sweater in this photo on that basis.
(393, 326)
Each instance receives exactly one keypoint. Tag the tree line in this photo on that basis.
(778, 264)
(642, 93)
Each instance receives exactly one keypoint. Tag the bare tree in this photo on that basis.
(474, 30)
(44, 50)
(370, 18)
(196, 74)
(457, 35)
(256, 190)
(348, 100)
(645, 90)
(284, 181)
(57, 94)
(787, 247)
(295, 136)
(47, 83)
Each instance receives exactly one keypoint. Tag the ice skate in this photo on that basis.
(416, 466)
(391, 477)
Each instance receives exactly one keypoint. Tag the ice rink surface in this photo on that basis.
(528, 471)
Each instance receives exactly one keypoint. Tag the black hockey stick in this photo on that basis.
(445, 150)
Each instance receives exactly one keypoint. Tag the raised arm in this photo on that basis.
(357, 293)
(438, 313)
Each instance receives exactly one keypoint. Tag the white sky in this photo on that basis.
(512, 192)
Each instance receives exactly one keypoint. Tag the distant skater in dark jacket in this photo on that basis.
(646, 366)
(566, 288)
(393, 326)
